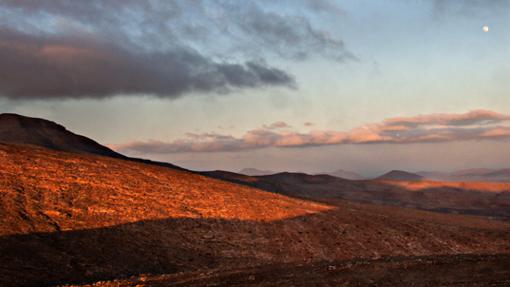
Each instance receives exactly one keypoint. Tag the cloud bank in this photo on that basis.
(77, 67)
(473, 125)
(97, 49)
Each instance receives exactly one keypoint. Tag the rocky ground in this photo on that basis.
(430, 271)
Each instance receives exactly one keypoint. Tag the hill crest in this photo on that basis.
(18, 129)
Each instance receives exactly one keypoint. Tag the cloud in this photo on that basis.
(76, 49)
(473, 125)
(67, 66)
(290, 36)
(479, 117)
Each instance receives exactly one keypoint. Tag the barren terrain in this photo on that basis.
(74, 218)
(423, 271)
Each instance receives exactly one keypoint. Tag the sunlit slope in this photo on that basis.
(71, 218)
(45, 191)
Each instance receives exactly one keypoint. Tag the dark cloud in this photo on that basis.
(474, 125)
(58, 48)
(283, 27)
(77, 67)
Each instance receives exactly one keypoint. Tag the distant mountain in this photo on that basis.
(255, 172)
(17, 129)
(345, 174)
(400, 175)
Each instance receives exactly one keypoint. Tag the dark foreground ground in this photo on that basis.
(452, 270)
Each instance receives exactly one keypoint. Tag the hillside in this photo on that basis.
(19, 129)
(477, 198)
(98, 218)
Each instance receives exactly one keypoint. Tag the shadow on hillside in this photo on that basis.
(185, 244)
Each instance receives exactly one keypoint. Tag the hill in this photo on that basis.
(400, 175)
(81, 218)
(19, 129)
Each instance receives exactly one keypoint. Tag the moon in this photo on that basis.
(485, 28)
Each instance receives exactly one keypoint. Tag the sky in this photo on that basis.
(296, 85)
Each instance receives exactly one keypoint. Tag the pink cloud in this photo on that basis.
(470, 118)
(473, 125)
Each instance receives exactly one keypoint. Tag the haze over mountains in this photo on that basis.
(474, 174)
(480, 174)
(95, 217)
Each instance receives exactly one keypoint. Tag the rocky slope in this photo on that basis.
(76, 218)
